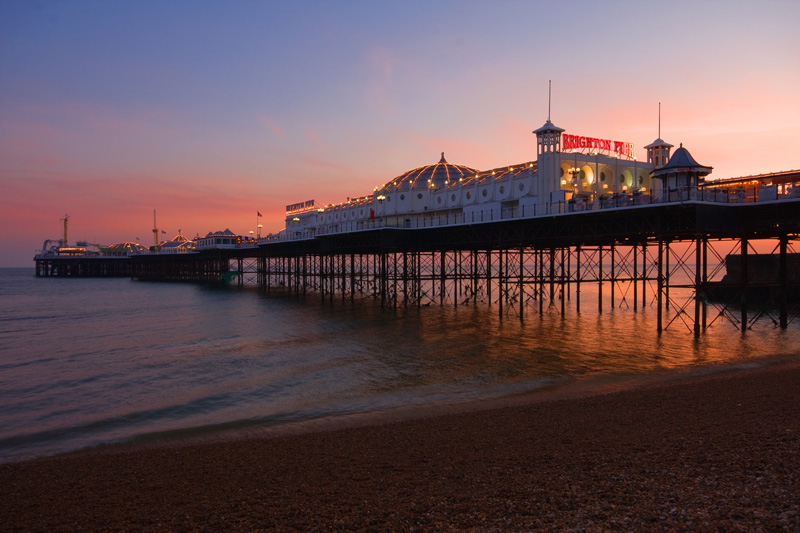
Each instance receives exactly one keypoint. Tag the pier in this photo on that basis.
(529, 238)
(670, 256)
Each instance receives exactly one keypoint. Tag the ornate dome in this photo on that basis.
(435, 176)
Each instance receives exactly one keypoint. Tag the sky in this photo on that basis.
(210, 112)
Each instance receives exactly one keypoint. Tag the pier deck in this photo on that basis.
(668, 255)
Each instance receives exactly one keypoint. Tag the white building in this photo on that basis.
(570, 173)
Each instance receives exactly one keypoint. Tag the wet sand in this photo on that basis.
(719, 452)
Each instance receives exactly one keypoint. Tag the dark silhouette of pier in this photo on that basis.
(695, 262)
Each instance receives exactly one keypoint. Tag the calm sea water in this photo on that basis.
(85, 362)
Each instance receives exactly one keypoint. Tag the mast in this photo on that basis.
(65, 220)
(155, 230)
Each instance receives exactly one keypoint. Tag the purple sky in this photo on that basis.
(211, 111)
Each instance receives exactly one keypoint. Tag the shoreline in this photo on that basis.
(715, 450)
(568, 388)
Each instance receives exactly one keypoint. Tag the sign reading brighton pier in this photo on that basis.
(301, 207)
(576, 142)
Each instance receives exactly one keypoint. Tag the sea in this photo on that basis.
(88, 363)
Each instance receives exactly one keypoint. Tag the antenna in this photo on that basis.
(659, 120)
(549, 96)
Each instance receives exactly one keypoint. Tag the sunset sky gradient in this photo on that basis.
(211, 111)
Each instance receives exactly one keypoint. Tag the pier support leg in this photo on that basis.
(563, 277)
(500, 281)
(578, 279)
(783, 277)
(600, 280)
(521, 281)
(660, 280)
(613, 273)
(635, 276)
(644, 274)
(666, 273)
(698, 291)
(705, 281)
(744, 282)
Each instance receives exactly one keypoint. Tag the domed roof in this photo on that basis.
(435, 176)
(682, 160)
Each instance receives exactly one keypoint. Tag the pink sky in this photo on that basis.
(209, 114)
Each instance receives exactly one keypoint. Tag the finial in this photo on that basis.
(549, 96)
(442, 159)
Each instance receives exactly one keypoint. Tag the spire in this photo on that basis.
(550, 95)
(548, 137)
(442, 160)
(658, 150)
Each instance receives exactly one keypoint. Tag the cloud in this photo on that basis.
(271, 125)
(313, 136)
(381, 64)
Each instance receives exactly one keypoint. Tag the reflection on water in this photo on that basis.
(84, 362)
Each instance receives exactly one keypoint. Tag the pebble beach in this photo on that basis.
(717, 452)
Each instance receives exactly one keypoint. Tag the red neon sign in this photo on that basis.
(576, 142)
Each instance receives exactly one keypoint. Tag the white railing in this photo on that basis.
(615, 201)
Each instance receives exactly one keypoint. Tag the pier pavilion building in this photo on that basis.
(585, 210)
(570, 173)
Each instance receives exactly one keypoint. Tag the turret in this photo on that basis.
(658, 150)
(548, 155)
(681, 176)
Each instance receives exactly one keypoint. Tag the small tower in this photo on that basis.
(548, 148)
(658, 150)
(548, 137)
(681, 176)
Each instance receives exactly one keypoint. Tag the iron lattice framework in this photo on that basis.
(698, 264)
